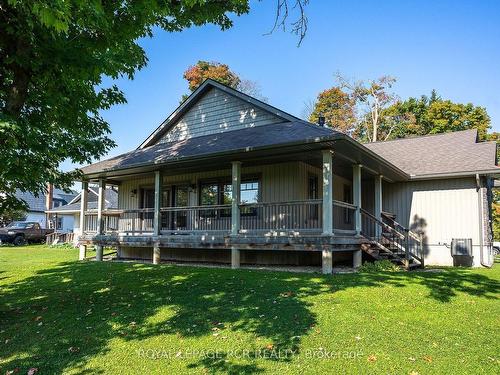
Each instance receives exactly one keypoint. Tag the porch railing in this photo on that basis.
(303, 216)
(300, 216)
(110, 222)
(196, 218)
(344, 217)
(135, 221)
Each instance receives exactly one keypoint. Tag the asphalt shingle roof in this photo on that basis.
(111, 201)
(259, 136)
(441, 153)
(37, 203)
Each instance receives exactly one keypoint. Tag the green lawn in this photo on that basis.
(64, 316)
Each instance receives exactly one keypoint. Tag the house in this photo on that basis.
(228, 178)
(70, 213)
(37, 205)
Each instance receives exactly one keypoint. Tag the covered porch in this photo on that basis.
(304, 198)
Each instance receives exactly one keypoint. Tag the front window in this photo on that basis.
(181, 196)
(215, 193)
(220, 193)
(209, 194)
(250, 192)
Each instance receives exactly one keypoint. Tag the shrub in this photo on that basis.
(379, 266)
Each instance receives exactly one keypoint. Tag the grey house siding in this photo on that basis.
(441, 209)
(218, 112)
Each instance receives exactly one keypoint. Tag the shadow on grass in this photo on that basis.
(61, 317)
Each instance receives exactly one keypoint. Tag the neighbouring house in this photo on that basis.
(228, 178)
(70, 213)
(37, 205)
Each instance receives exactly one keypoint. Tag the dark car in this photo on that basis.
(22, 232)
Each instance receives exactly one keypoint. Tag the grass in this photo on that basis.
(64, 316)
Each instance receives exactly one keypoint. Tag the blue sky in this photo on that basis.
(450, 46)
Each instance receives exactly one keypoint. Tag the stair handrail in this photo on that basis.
(382, 224)
(412, 234)
(403, 234)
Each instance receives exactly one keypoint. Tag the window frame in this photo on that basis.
(221, 185)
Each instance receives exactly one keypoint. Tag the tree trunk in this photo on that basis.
(17, 92)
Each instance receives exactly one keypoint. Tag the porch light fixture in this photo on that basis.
(133, 193)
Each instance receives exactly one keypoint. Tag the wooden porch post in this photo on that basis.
(357, 256)
(83, 208)
(327, 193)
(158, 203)
(236, 197)
(235, 210)
(378, 202)
(326, 253)
(157, 216)
(356, 192)
(100, 218)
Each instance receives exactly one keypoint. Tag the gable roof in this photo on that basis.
(208, 84)
(110, 202)
(457, 153)
(37, 203)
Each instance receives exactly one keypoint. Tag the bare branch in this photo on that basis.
(299, 26)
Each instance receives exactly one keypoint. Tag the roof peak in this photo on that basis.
(197, 94)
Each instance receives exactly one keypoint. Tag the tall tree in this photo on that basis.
(371, 97)
(53, 55)
(432, 115)
(337, 107)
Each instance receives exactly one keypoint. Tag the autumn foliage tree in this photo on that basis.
(195, 75)
(370, 111)
(433, 115)
(337, 107)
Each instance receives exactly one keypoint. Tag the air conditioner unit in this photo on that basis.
(461, 246)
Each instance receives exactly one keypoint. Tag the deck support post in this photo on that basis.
(236, 197)
(356, 192)
(327, 193)
(83, 252)
(327, 260)
(100, 218)
(357, 258)
(99, 250)
(83, 208)
(158, 203)
(377, 211)
(235, 257)
(156, 253)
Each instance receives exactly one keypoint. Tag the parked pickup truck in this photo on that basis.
(22, 232)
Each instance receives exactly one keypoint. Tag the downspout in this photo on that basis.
(480, 208)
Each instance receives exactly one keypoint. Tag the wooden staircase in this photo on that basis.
(387, 239)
